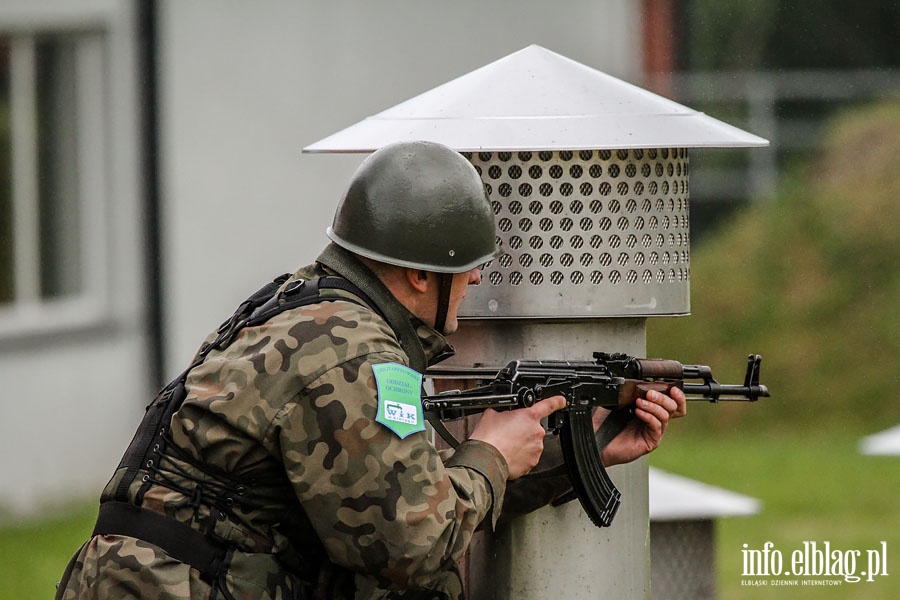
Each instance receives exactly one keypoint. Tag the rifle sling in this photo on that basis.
(442, 430)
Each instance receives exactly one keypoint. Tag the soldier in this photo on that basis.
(290, 460)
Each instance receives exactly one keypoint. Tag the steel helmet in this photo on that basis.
(420, 205)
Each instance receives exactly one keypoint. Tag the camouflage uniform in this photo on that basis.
(313, 497)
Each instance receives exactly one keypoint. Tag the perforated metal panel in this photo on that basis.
(586, 233)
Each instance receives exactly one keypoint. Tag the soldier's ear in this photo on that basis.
(418, 279)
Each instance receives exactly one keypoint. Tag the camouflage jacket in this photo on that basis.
(276, 451)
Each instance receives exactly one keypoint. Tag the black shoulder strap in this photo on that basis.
(301, 292)
(269, 302)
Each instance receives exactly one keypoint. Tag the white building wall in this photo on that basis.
(69, 409)
(73, 378)
(246, 85)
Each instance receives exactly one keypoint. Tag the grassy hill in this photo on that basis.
(810, 280)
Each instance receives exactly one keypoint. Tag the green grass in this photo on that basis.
(808, 279)
(33, 556)
(814, 486)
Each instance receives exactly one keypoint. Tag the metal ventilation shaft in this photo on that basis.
(586, 233)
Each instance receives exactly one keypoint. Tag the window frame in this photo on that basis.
(28, 314)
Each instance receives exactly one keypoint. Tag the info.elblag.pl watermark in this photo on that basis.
(812, 564)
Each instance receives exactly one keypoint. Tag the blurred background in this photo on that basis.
(151, 176)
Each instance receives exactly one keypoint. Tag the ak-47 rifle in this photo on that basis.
(610, 381)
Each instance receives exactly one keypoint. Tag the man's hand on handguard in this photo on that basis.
(517, 434)
(644, 433)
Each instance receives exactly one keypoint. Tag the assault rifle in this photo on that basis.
(610, 381)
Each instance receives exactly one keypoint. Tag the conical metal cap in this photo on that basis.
(535, 99)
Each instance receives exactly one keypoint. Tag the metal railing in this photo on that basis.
(789, 108)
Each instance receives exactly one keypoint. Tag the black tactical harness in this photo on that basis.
(121, 515)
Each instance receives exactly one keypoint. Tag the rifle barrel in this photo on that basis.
(714, 392)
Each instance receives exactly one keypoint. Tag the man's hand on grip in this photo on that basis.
(517, 434)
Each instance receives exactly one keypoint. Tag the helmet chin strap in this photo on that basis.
(445, 287)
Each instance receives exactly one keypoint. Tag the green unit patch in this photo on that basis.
(399, 398)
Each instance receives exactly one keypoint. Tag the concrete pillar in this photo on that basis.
(556, 552)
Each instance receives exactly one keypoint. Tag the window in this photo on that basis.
(52, 191)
